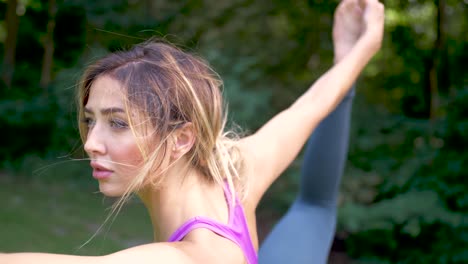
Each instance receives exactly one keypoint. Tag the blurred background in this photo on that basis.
(404, 196)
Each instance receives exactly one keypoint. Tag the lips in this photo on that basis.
(100, 172)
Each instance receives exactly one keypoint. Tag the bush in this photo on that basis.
(422, 219)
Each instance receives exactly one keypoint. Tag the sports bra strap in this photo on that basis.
(203, 222)
(236, 230)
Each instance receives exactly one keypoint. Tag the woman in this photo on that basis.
(153, 125)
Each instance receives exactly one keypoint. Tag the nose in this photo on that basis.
(94, 144)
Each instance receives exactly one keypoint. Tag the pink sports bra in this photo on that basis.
(236, 230)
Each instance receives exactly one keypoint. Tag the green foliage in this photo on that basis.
(26, 124)
(403, 200)
(69, 38)
(242, 102)
(420, 212)
(446, 173)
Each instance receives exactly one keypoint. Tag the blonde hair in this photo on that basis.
(168, 88)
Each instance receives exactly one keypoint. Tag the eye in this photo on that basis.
(89, 122)
(118, 124)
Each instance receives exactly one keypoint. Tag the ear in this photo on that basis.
(183, 140)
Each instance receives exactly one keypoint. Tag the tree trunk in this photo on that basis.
(436, 59)
(46, 74)
(12, 23)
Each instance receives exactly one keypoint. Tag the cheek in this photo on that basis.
(127, 156)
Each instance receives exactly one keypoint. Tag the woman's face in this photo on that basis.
(111, 144)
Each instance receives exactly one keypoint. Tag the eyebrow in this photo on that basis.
(106, 111)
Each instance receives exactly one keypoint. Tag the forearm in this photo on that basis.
(163, 252)
(43, 258)
(303, 116)
(323, 96)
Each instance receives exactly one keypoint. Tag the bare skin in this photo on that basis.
(347, 27)
(180, 200)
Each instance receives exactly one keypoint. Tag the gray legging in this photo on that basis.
(305, 233)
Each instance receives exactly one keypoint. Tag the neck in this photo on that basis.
(182, 197)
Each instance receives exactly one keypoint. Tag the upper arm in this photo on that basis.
(150, 253)
(273, 147)
(43, 258)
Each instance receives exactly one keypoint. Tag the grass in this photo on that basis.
(59, 218)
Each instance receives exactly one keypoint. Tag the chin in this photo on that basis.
(110, 191)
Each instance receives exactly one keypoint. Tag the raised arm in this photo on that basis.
(278, 142)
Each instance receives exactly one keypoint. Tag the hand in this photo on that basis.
(348, 26)
(373, 19)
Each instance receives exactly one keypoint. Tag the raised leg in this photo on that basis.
(305, 233)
